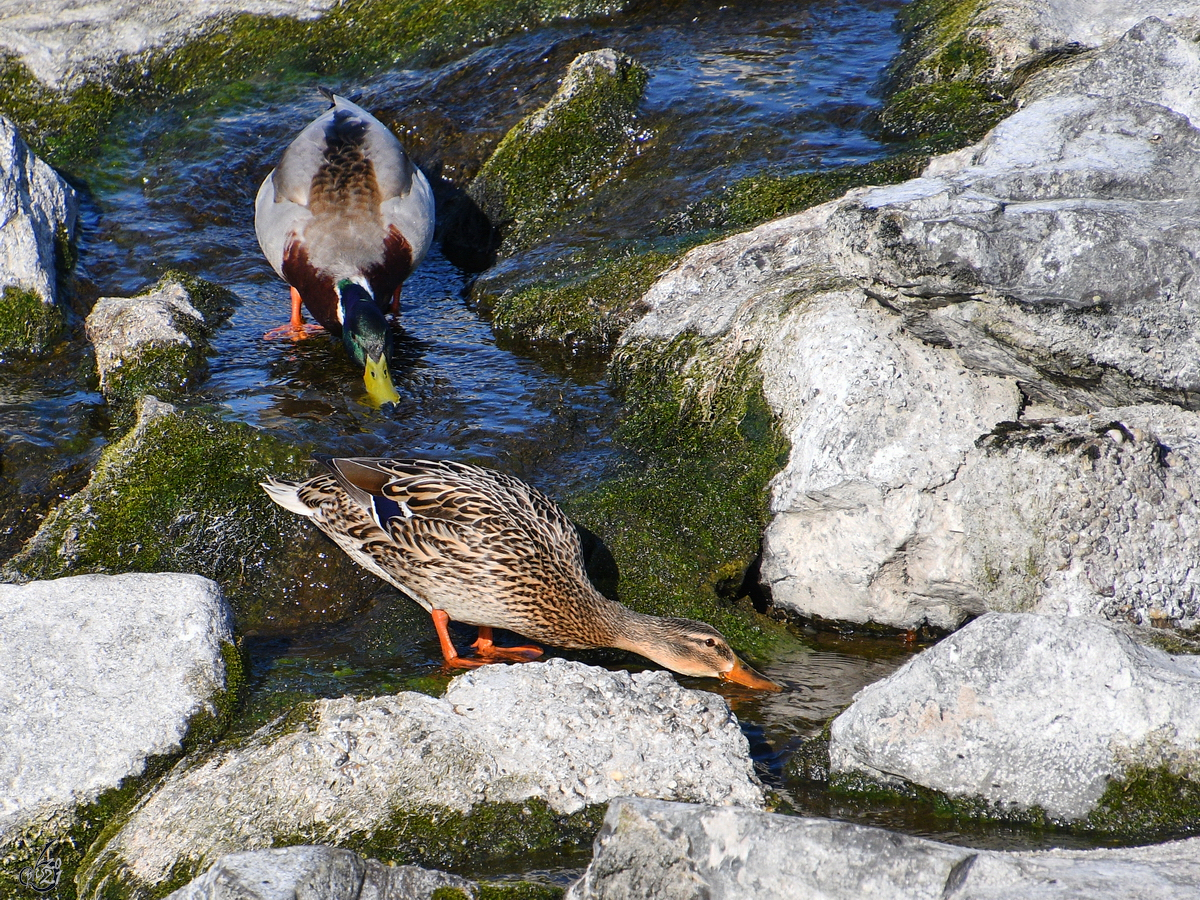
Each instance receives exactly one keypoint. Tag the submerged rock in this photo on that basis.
(37, 222)
(155, 342)
(562, 733)
(648, 848)
(98, 674)
(565, 150)
(315, 873)
(1025, 711)
(1047, 271)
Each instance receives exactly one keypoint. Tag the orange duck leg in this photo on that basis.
(296, 329)
(488, 652)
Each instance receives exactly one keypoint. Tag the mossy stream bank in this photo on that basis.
(670, 478)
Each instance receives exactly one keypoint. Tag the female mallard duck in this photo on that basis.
(344, 218)
(485, 549)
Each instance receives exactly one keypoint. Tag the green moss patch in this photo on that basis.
(684, 523)
(517, 890)
(564, 151)
(1148, 804)
(231, 55)
(488, 836)
(28, 325)
(760, 198)
(590, 311)
(944, 115)
(947, 89)
(178, 493)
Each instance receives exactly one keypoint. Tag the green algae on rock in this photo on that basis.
(565, 150)
(28, 325)
(685, 528)
(947, 89)
(760, 198)
(179, 492)
(589, 311)
(156, 342)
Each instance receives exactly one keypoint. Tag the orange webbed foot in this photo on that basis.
(293, 332)
(489, 651)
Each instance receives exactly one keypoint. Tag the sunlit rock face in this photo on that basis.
(1025, 710)
(648, 848)
(561, 732)
(988, 374)
(317, 873)
(37, 221)
(101, 672)
(63, 42)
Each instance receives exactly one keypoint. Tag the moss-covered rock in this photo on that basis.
(28, 325)
(589, 311)
(157, 342)
(179, 492)
(234, 53)
(760, 198)
(947, 89)
(565, 150)
(684, 526)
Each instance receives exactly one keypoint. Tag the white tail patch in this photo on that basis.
(285, 494)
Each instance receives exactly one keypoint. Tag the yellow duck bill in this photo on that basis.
(379, 381)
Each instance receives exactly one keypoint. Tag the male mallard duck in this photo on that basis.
(485, 549)
(344, 218)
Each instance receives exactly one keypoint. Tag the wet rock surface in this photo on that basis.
(898, 328)
(37, 214)
(63, 43)
(1025, 710)
(99, 673)
(315, 873)
(562, 732)
(649, 848)
(563, 151)
(154, 343)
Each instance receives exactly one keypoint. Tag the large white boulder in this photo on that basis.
(562, 732)
(315, 873)
(98, 673)
(648, 848)
(945, 355)
(1025, 710)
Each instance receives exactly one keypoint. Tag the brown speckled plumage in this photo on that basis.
(488, 550)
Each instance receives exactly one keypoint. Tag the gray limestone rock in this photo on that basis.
(34, 204)
(649, 848)
(560, 731)
(153, 342)
(98, 673)
(63, 42)
(1025, 710)
(315, 873)
(902, 332)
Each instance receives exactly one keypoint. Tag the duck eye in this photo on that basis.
(710, 643)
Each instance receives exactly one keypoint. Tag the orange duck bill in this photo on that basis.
(744, 675)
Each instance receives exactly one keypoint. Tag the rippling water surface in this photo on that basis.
(734, 90)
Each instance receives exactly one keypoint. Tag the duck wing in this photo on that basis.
(487, 548)
(345, 201)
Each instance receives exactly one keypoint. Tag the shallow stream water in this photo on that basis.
(734, 90)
